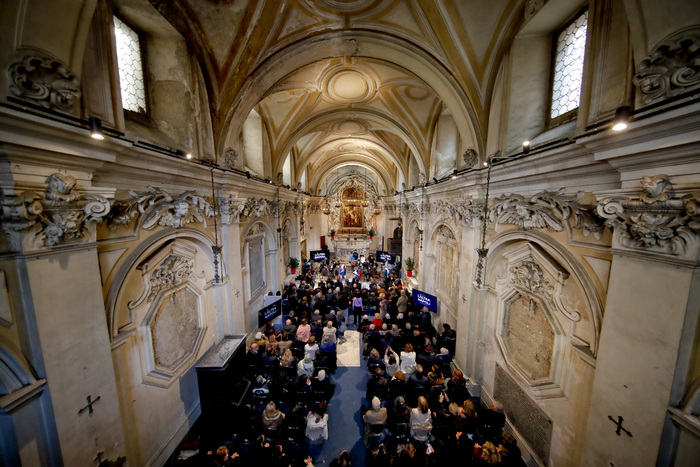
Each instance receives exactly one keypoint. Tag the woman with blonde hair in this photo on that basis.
(271, 417)
(488, 454)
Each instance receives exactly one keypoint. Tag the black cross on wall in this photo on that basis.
(89, 405)
(619, 425)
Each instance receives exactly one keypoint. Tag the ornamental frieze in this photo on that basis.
(465, 210)
(656, 220)
(546, 210)
(156, 207)
(59, 216)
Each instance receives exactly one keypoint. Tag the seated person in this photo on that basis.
(377, 321)
(260, 339)
(328, 346)
(457, 387)
(391, 362)
(321, 384)
(329, 331)
(408, 360)
(317, 424)
(311, 347)
(306, 366)
(304, 330)
(289, 327)
(421, 420)
(375, 361)
(492, 421)
(376, 415)
(271, 417)
(378, 385)
(444, 360)
(397, 385)
(448, 338)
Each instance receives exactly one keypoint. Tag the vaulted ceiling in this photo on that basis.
(348, 82)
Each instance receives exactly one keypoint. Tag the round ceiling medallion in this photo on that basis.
(349, 86)
(348, 6)
(345, 147)
(350, 127)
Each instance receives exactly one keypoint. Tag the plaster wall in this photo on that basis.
(646, 308)
(74, 338)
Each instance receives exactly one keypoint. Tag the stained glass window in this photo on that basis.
(131, 78)
(568, 67)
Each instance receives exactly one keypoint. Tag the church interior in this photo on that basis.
(532, 164)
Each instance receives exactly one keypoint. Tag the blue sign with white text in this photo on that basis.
(425, 299)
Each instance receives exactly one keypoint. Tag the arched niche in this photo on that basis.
(547, 310)
(444, 248)
(257, 243)
(164, 302)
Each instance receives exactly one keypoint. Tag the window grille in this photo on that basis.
(568, 67)
(130, 62)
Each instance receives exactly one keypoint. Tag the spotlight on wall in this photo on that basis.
(526, 147)
(435, 179)
(622, 116)
(454, 174)
(486, 163)
(181, 153)
(96, 128)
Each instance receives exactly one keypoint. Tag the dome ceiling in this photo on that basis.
(338, 82)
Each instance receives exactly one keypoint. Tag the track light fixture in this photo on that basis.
(526, 147)
(96, 128)
(622, 116)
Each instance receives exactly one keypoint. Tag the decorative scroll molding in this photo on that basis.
(313, 207)
(656, 220)
(45, 81)
(545, 209)
(672, 67)
(157, 207)
(61, 215)
(256, 230)
(290, 208)
(445, 232)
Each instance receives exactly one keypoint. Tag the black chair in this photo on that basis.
(375, 434)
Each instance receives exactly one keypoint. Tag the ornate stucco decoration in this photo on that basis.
(465, 210)
(655, 221)
(289, 208)
(545, 210)
(672, 67)
(59, 216)
(45, 81)
(159, 208)
(229, 159)
(532, 7)
(471, 157)
(314, 207)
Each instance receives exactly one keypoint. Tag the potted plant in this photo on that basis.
(371, 233)
(293, 264)
(332, 234)
(410, 266)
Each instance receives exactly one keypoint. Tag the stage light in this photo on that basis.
(96, 128)
(622, 116)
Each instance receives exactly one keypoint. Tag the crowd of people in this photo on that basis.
(419, 410)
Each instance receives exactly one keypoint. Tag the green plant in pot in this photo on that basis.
(371, 233)
(293, 264)
(410, 266)
(332, 234)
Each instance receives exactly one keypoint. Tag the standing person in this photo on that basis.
(357, 308)
(402, 302)
(342, 272)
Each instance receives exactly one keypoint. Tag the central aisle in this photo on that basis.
(345, 426)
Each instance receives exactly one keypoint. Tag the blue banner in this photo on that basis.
(425, 299)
